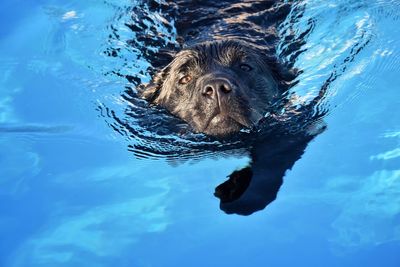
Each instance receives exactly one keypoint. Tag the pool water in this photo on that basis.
(73, 192)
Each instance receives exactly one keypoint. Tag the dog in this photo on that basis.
(217, 87)
(226, 79)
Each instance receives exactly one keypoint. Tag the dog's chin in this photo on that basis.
(224, 126)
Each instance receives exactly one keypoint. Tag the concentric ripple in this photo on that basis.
(320, 41)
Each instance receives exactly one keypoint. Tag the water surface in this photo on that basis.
(75, 192)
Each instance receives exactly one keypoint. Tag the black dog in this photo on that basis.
(225, 79)
(216, 87)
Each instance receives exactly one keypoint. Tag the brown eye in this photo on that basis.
(185, 79)
(245, 67)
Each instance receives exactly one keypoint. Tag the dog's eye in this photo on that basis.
(245, 67)
(185, 79)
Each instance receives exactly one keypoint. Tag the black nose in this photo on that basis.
(215, 87)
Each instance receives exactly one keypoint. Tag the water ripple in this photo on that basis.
(323, 45)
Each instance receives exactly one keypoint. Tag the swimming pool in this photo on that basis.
(73, 193)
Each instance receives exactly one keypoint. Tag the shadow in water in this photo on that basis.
(252, 188)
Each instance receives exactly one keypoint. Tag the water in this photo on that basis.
(84, 182)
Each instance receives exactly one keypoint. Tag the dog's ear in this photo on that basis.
(162, 61)
(285, 75)
(163, 57)
(152, 90)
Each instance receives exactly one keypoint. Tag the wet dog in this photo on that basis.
(226, 76)
(225, 79)
(217, 87)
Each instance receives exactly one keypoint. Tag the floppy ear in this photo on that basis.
(161, 60)
(284, 74)
(163, 57)
(152, 90)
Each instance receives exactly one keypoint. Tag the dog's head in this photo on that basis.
(218, 88)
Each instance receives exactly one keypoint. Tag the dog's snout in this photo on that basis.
(216, 87)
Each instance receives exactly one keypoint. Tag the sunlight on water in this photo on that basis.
(94, 239)
(367, 218)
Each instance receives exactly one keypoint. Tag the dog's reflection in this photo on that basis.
(252, 188)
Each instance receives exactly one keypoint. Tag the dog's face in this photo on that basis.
(218, 88)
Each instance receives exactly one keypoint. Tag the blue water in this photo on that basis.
(72, 194)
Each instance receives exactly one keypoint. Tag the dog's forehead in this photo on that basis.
(223, 50)
(207, 53)
(185, 56)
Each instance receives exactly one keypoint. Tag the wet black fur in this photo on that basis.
(225, 35)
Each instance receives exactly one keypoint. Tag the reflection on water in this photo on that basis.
(376, 200)
(254, 187)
